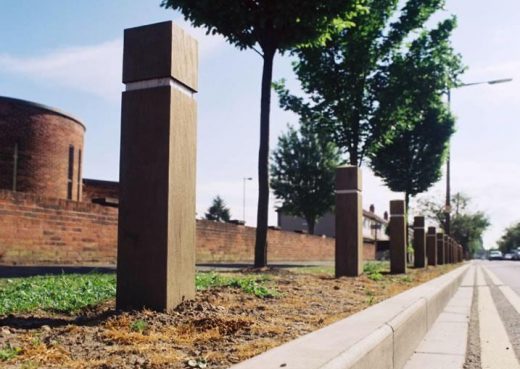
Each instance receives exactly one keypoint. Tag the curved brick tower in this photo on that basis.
(41, 150)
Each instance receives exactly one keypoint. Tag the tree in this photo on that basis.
(510, 240)
(410, 94)
(352, 80)
(467, 227)
(218, 211)
(412, 161)
(303, 174)
(272, 26)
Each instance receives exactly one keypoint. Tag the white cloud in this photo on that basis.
(94, 69)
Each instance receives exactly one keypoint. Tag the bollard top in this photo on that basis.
(432, 230)
(348, 177)
(160, 50)
(418, 222)
(396, 207)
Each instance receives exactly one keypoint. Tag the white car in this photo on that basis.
(495, 255)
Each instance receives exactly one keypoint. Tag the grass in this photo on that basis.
(61, 293)
(69, 293)
(373, 270)
(254, 285)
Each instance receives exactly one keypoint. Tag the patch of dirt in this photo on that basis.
(220, 327)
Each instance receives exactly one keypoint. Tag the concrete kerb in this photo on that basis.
(383, 336)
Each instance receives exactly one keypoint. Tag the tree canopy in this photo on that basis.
(412, 161)
(303, 174)
(218, 211)
(510, 240)
(467, 226)
(354, 82)
(273, 26)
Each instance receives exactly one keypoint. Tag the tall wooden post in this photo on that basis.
(156, 232)
(431, 246)
(419, 242)
(349, 222)
(446, 249)
(440, 249)
(452, 253)
(397, 237)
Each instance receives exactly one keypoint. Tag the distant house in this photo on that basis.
(374, 226)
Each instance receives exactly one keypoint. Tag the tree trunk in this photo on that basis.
(263, 161)
(407, 230)
(311, 222)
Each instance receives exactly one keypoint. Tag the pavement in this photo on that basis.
(480, 326)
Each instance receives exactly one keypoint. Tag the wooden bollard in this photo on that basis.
(431, 246)
(349, 222)
(448, 250)
(446, 256)
(440, 249)
(397, 237)
(156, 231)
(419, 242)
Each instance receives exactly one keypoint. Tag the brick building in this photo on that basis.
(40, 150)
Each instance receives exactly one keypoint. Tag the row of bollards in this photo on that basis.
(432, 248)
(156, 229)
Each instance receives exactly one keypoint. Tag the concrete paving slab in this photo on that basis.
(435, 361)
(453, 317)
(469, 278)
(445, 338)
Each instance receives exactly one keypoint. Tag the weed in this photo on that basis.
(9, 352)
(374, 269)
(406, 279)
(139, 326)
(30, 365)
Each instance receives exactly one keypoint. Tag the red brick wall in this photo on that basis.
(93, 188)
(52, 231)
(37, 230)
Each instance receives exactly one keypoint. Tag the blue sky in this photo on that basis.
(68, 55)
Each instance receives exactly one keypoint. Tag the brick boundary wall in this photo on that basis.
(39, 230)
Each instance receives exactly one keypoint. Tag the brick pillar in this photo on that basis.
(431, 246)
(349, 222)
(156, 231)
(419, 242)
(397, 237)
(440, 249)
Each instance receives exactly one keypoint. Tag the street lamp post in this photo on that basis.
(448, 185)
(244, 197)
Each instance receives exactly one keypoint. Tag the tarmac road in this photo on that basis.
(507, 271)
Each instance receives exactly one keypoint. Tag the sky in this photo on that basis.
(68, 55)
